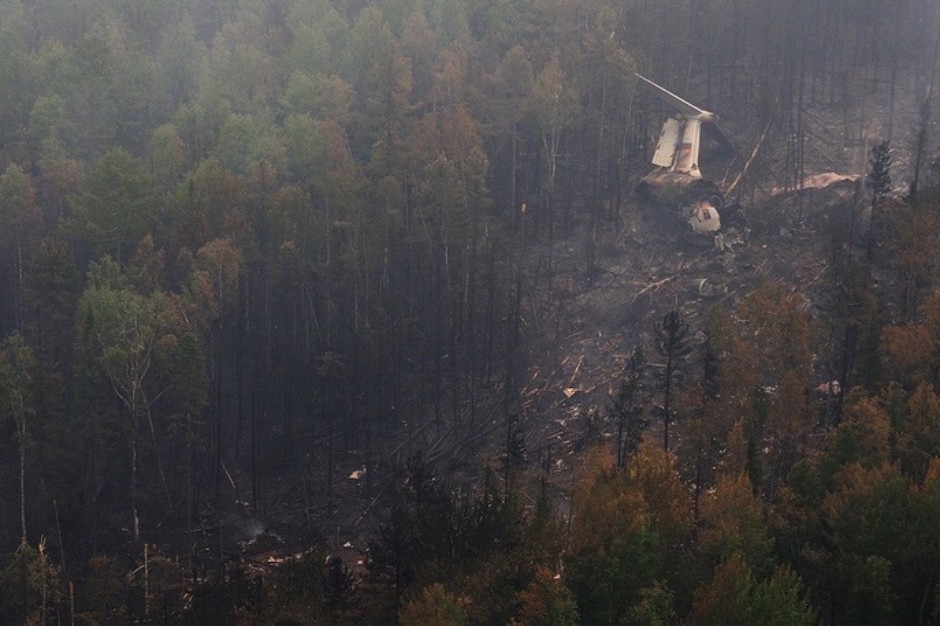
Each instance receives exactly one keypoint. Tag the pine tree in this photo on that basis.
(672, 342)
(17, 365)
(628, 409)
(338, 583)
(879, 185)
(434, 606)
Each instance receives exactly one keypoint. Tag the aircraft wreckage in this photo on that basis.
(677, 180)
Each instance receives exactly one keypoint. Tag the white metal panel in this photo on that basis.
(666, 148)
(687, 149)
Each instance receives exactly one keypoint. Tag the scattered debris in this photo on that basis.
(822, 180)
(830, 389)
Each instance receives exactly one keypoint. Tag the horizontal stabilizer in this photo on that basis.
(684, 107)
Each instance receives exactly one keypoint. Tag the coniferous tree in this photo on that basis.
(627, 408)
(338, 583)
(22, 219)
(434, 607)
(17, 365)
(672, 343)
(378, 160)
(546, 601)
(704, 424)
(879, 185)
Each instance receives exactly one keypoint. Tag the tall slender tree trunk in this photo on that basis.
(667, 400)
(22, 442)
(135, 522)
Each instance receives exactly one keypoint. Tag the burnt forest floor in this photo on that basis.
(578, 329)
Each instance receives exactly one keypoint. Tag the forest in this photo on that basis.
(282, 282)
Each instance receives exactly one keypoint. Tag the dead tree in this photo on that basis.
(515, 448)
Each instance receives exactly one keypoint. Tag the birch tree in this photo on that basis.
(121, 328)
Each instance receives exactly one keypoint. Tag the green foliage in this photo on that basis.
(870, 596)
(121, 327)
(627, 408)
(17, 400)
(167, 154)
(236, 147)
(608, 582)
(655, 608)
(18, 209)
(33, 585)
(733, 524)
(627, 531)
(735, 597)
(105, 589)
(672, 342)
(919, 434)
(212, 192)
(280, 184)
(867, 511)
(17, 365)
(115, 209)
(434, 607)
(546, 601)
(482, 543)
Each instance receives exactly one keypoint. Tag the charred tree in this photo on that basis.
(515, 447)
(879, 185)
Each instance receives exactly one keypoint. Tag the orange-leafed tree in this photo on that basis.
(546, 601)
